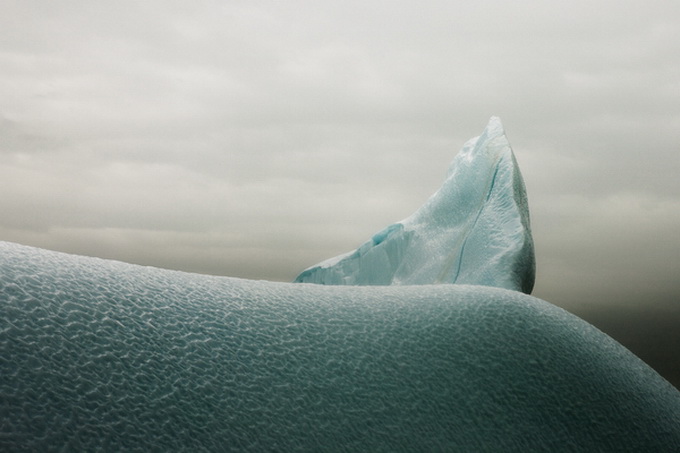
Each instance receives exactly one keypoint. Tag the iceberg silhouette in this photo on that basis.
(474, 230)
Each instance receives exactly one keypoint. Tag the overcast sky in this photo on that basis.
(254, 139)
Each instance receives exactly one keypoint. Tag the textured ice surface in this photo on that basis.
(473, 230)
(101, 355)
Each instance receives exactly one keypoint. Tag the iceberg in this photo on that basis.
(101, 355)
(474, 230)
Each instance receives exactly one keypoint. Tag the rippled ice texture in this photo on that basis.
(474, 230)
(98, 354)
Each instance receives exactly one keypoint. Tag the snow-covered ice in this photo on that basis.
(98, 355)
(474, 230)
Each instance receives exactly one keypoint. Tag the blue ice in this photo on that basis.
(99, 355)
(474, 230)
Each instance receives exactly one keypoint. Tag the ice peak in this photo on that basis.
(495, 123)
(474, 230)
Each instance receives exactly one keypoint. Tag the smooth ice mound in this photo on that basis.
(101, 355)
(474, 230)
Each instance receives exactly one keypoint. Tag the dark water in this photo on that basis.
(98, 355)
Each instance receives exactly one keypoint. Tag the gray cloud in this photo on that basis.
(254, 139)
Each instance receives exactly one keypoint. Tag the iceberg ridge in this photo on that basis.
(98, 355)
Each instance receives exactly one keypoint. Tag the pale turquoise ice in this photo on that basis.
(99, 355)
(474, 230)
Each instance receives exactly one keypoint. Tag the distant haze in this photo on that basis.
(253, 139)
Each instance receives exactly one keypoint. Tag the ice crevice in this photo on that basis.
(459, 262)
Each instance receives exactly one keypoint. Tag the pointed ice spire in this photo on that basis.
(474, 230)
